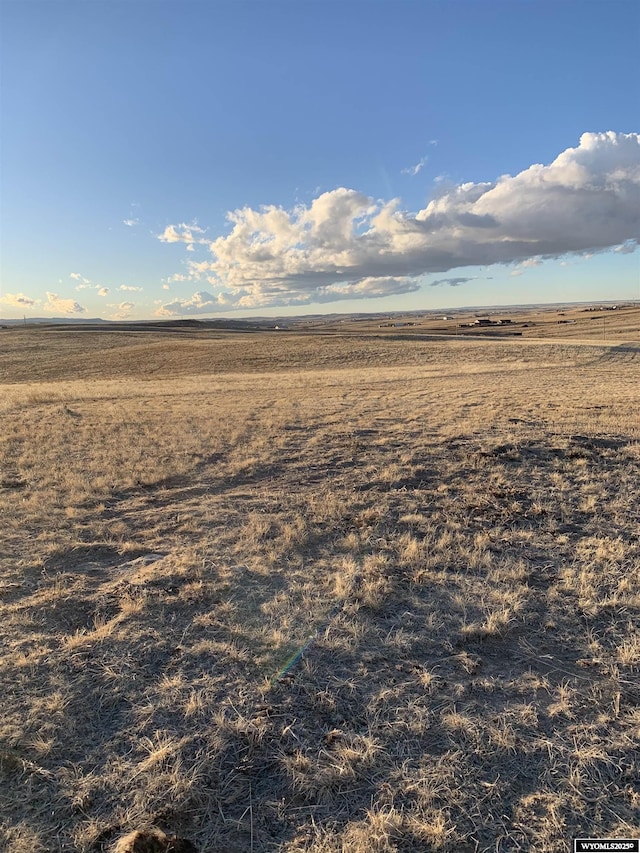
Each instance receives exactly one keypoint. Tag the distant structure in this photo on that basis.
(485, 321)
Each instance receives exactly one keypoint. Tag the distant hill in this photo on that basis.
(287, 322)
(53, 321)
(138, 325)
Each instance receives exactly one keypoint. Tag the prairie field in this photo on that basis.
(324, 593)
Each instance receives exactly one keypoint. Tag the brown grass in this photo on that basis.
(352, 595)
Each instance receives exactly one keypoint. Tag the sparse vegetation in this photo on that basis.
(318, 594)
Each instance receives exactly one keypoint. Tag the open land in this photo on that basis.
(350, 588)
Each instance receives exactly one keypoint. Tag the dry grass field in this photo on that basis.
(335, 594)
(600, 322)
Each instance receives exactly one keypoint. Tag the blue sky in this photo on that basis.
(270, 158)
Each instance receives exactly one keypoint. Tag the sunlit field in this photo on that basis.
(332, 594)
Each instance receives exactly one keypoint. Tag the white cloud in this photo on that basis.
(414, 170)
(129, 288)
(166, 287)
(196, 270)
(18, 300)
(366, 288)
(586, 200)
(627, 248)
(123, 311)
(61, 305)
(182, 233)
(528, 263)
(200, 303)
(130, 222)
(259, 297)
(86, 282)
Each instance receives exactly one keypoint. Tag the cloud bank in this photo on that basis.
(345, 245)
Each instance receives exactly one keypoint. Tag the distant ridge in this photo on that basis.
(53, 321)
(138, 325)
(288, 322)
